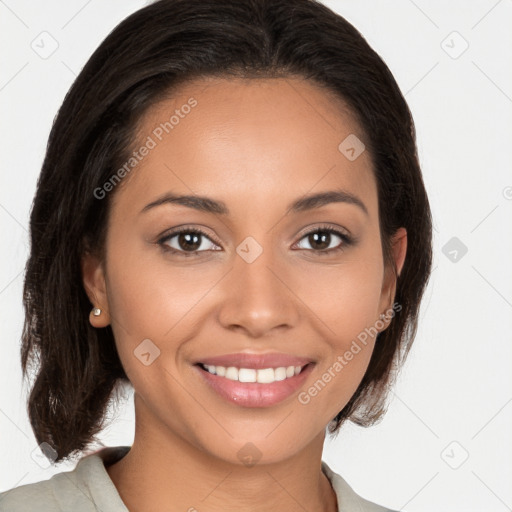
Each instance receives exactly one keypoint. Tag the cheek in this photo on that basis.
(345, 301)
(156, 299)
(148, 294)
(344, 297)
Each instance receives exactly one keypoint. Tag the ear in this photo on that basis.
(398, 252)
(93, 276)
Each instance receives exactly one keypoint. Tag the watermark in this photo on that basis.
(454, 249)
(454, 45)
(249, 249)
(151, 142)
(455, 455)
(44, 455)
(146, 352)
(44, 45)
(249, 454)
(352, 147)
(304, 397)
(507, 193)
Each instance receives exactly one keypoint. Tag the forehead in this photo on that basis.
(257, 142)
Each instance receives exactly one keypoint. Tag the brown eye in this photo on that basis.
(189, 241)
(321, 240)
(186, 241)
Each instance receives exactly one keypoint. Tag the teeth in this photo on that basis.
(246, 375)
(280, 373)
(263, 376)
(231, 373)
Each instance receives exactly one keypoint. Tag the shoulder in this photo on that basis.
(348, 499)
(48, 495)
(83, 489)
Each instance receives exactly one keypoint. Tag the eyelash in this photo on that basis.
(347, 240)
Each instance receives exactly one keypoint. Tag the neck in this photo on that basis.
(163, 471)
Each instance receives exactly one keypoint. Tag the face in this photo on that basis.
(249, 273)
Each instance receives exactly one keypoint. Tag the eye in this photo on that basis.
(188, 242)
(321, 240)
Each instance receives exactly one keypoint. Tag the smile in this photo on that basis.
(250, 387)
(262, 376)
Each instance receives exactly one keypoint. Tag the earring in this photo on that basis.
(96, 311)
(382, 316)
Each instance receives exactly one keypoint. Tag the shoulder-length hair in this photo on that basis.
(147, 56)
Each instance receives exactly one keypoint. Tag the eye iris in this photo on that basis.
(184, 241)
(320, 237)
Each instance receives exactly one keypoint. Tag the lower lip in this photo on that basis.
(254, 394)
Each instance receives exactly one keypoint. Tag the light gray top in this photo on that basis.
(88, 488)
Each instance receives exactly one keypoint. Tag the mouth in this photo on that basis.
(259, 375)
(254, 387)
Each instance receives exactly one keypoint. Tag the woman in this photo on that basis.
(230, 218)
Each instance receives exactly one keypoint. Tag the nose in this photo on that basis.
(258, 297)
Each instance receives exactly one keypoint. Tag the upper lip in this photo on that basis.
(256, 361)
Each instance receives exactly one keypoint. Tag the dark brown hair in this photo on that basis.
(153, 51)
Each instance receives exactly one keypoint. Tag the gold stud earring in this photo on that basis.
(96, 311)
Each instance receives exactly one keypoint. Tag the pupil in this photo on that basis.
(322, 238)
(184, 240)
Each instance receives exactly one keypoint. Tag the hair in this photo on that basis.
(148, 55)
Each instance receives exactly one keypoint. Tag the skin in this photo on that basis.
(257, 145)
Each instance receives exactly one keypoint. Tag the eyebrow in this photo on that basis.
(306, 203)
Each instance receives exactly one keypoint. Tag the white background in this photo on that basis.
(454, 396)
